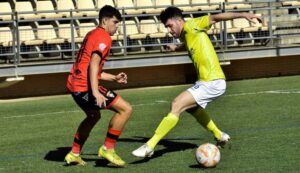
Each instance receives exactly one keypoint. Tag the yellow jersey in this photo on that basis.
(201, 50)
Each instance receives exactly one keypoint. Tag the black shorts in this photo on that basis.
(86, 100)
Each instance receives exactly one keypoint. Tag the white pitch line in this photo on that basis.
(291, 91)
(64, 112)
(41, 114)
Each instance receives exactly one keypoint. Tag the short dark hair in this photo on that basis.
(110, 12)
(170, 12)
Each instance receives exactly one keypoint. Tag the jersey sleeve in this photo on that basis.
(101, 47)
(202, 22)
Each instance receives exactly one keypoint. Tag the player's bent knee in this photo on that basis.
(128, 109)
(176, 107)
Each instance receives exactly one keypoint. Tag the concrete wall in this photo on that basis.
(52, 84)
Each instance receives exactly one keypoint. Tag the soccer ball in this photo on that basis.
(208, 155)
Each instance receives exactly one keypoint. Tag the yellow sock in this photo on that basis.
(204, 119)
(163, 128)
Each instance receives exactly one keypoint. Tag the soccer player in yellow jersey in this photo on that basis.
(211, 79)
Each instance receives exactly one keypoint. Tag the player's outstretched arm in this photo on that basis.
(119, 78)
(229, 16)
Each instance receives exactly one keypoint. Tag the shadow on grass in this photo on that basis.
(196, 166)
(57, 155)
(171, 145)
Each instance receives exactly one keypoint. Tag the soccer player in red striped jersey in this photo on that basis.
(85, 87)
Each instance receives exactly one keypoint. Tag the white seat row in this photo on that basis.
(89, 8)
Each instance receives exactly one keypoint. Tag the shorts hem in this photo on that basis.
(113, 102)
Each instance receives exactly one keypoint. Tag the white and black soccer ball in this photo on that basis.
(208, 155)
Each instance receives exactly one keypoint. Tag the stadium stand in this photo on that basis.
(230, 29)
(86, 8)
(84, 28)
(101, 3)
(238, 4)
(42, 24)
(45, 9)
(48, 35)
(25, 10)
(132, 30)
(291, 3)
(183, 4)
(5, 8)
(64, 7)
(128, 4)
(150, 28)
(65, 32)
(202, 5)
(146, 6)
(27, 36)
(159, 5)
(6, 36)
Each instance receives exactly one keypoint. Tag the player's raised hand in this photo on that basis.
(171, 47)
(252, 17)
(121, 78)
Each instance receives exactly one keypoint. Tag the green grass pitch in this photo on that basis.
(261, 115)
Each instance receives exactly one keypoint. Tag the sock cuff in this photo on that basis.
(114, 132)
(172, 116)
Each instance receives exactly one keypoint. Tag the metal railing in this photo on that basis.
(17, 52)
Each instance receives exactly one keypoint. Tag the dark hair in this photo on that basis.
(169, 13)
(110, 12)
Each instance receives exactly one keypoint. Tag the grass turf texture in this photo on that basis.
(262, 116)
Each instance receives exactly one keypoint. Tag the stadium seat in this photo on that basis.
(291, 3)
(163, 3)
(48, 34)
(204, 5)
(132, 31)
(87, 8)
(101, 3)
(27, 36)
(46, 5)
(65, 5)
(221, 1)
(5, 8)
(229, 27)
(25, 6)
(244, 25)
(127, 4)
(6, 36)
(183, 5)
(143, 6)
(150, 28)
(84, 28)
(64, 31)
(239, 4)
(216, 1)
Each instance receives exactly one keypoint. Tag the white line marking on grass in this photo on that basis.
(41, 114)
(154, 103)
(290, 91)
(293, 91)
(64, 112)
